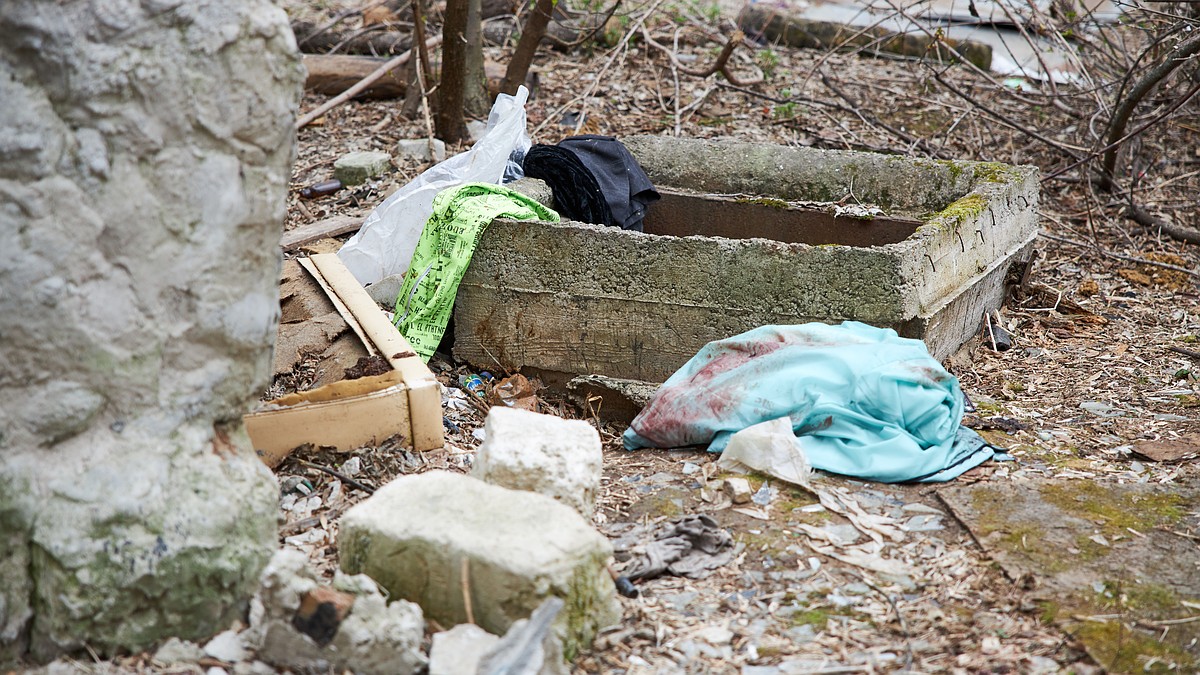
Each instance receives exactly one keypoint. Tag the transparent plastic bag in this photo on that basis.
(385, 243)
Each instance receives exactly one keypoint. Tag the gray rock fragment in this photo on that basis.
(458, 651)
(357, 167)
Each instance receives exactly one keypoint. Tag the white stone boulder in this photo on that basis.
(525, 450)
(418, 535)
(145, 153)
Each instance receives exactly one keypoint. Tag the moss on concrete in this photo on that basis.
(1114, 511)
(1113, 625)
(963, 210)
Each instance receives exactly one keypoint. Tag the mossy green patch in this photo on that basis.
(994, 172)
(772, 202)
(1024, 538)
(816, 617)
(1117, 626)
(964, 209)
(1120, 649)
(1115, 510)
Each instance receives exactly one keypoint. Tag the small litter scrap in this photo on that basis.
(863, 401)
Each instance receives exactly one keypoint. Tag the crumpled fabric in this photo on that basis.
(577, 195)
(595, 179)
(862, 401)
(689, 546)
(444, 251)
(621, 179)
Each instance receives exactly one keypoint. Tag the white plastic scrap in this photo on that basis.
(385, 243)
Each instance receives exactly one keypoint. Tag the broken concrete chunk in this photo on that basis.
(458, 651)
(175, 651)
(227, 647)
(356, 167)
(428, 537)
(476, 129)
(418, 148)
(541, 453)
(372, 637)
(536, 189)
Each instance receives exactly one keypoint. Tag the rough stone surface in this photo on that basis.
(376, 637)
(572, 298)
(536, 189)
(384, 291)
(145, 150)
(458, 651)
(413, 535)
(175, 651)
(358, 167)
(418, 148)
(556, 457)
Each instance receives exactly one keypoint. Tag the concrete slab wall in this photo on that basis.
(583, 299)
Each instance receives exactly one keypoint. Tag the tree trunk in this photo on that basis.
(531, 36)
(451, 126)
(475, 95)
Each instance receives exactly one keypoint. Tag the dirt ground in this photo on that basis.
(1103, 362)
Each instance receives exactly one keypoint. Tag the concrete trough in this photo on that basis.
(746, 235)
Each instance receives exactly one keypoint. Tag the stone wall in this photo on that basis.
(145, 150)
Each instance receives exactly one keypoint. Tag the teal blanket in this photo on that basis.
(863, 401)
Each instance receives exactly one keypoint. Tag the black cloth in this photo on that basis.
(577, 195)
(621, 179)
(595, 179)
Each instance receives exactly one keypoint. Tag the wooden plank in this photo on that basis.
(332, 74)
(329, 227)
(424, 394)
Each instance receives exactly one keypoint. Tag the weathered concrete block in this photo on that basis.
(357, 167)
(376, 636)
(145, 151)
(748, 235)
(559, 458)
(418, 535)
(418, 148)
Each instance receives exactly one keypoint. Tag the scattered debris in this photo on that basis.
(349, 413)
(1170, 450)
(515, 391)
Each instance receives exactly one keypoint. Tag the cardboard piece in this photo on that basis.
(353, 413)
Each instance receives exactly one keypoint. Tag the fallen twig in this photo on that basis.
(338, 475)
(362, 84)
(1185, 352)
